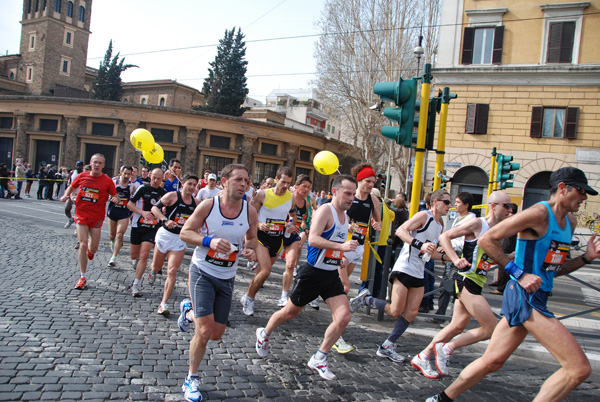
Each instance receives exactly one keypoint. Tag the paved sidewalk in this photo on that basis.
(58, 343)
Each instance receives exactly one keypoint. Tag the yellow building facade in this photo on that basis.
(527, 76)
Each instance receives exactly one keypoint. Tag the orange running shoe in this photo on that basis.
(90, 255)
(82, 284)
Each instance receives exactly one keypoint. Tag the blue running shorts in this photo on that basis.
(517, 303)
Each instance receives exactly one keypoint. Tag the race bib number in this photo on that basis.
(556, 256)
(225, 260)
(359, 231)
(89, 194)
(181, 219)
(276, 227)
(149, 222)
(333, 257)
(484, 265)
(123, 202)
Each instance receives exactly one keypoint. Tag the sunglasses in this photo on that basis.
(578, 189)
(447, 202)
(506, 206)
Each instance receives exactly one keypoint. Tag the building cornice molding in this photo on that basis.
(487, 11)
(565, 6)
(571, 76)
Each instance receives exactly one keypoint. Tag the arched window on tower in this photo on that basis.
(70, 9)
(58, 6)
(81, 13)
(162, 101)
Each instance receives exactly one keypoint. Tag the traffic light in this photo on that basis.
(382, 181)
(434, 106)
(505, 166)
(444, 180)
(142, 160)
(404, 94)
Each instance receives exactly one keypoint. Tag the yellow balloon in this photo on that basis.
(142, 139)
(155, 155)
(326, 162)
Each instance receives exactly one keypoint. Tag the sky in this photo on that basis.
(137, 26)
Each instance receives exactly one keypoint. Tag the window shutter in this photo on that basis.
(471, 112)
(537, 120)
(481, 118)
(571, 120)
(554, 34)
(468, 40)
(567, 40)
(498, 41)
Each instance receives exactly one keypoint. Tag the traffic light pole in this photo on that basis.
(492, 172)
(420, 149)
(441, 145)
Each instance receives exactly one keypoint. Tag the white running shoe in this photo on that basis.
(315, 304)
(247, 305)
(390, 353)
(282, 301)
(359, 301)
(182, 321)
(191, 389)
(112, 262)
(262, 344)
(322, 368)
(135, 290)
(342, 347)
(151, 277)
(433, 399)
(425, 366)
(163, 310)
(442, 359)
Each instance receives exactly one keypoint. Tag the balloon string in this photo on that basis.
(338, 170)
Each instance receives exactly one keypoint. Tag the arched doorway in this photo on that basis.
(471, 179)
(537, 189)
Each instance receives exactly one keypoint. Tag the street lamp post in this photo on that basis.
(419, 51)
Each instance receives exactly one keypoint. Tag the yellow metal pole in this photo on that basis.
(441, 144)
(492, 172)
(420, 150)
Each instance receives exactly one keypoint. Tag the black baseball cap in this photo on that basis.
(571, 176)
(79, 163)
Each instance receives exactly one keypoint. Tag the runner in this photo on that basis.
(273, 206)
(144, 225)
(172, 178)
(364, 210)
(118, 214)
(204, 181)
(94, 189)
(179, 206)
(420, 235)
(210, 190)
(469, 303)
(291, 240)
(69, 204)
(320, 276)
(217, 229)
(543, 241)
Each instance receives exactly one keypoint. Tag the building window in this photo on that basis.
(49, 125)
(70, 9)
(68, 38)
(477, 118)
(58, 5)
(162, 134)
(81, 13)
(144, 99)
(554, 122)
(29, 7)
(37, 5)
(32, 37)
(29, 74)
(65, 65)
(300, 171)
(305, 155)
(561, 37)
(11, 76)
(162, 101)
(6, 122)
(103, 129)
(483, 45)
(218, 141)
(216, 164)
(264, 170)
(268, 149)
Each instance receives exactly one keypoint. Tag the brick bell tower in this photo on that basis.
(54, 44)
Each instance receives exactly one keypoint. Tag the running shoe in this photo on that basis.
(163, 310)
(434, 398)
(182, 321)
(282, 301)
(151, 277)
(442, 359)
(81, 284)
(135, 290)
(359, 301)
(90, 255)
(191, 389)
(390, 353)
(315, 304)
(69, 223)
(425, 366)
(262, 343)
(342, 347)
(322, 367)
(112, 262)
(251, 265)
(247, 305)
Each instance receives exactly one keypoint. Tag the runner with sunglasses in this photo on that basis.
(472, 275)
(420, 235)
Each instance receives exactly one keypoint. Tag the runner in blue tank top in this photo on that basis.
(544, 235)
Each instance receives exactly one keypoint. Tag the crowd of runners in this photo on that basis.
(225, 218)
